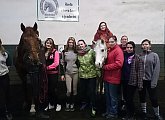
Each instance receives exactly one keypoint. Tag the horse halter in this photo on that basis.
(100, 49)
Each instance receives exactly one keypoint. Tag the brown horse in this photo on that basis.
(29, 65)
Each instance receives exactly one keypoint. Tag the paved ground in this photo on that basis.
(77, 115)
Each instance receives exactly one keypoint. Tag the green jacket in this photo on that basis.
(87, 67)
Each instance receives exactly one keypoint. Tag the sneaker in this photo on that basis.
(72, 107)
(49, 107)
(93, 113)
(67, 107)
(58, 107)
(158, 117)
(32, 109)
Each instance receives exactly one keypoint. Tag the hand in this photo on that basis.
(63, 78)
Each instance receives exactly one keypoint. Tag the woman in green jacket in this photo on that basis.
(87, 75)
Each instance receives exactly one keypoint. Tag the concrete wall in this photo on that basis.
(138, 19)
(158, 48)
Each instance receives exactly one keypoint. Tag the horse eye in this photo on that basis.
(102, 50)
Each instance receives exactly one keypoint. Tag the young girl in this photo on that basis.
(71, 73)
(150, 79)
(52, 63)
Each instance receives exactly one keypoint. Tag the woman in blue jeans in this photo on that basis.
(111, 76)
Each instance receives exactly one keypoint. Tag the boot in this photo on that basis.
(157, 115)
(67, 107)
(144, 111)
(72, 107)
(9, 116)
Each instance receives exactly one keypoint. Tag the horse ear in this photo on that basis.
(102, 41)
(35, 26)
(93, 42)
(22, 27)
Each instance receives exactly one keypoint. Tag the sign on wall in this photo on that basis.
(58, 10)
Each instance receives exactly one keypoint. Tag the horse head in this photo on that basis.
(29, 46)
(100, 49)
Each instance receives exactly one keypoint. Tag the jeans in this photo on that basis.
(111, 93)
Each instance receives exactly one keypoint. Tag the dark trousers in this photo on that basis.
(130, 99)
(52, 89)
(88, 91)
(151, 91)
(4, 94)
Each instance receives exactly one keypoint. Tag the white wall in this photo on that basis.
(138, 19)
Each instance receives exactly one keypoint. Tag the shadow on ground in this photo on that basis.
(19, 114)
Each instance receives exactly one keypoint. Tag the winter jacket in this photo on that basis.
(151, 67)
(113, 65)
(52, 62)
(87, 67)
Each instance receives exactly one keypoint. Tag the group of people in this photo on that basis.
(123, 70)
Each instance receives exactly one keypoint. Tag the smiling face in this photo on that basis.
(129, 48)
(103, 26)
(70, 43)
(49, 44)
(111, 42)
(124, 40)
(81, 44)
(146, 46)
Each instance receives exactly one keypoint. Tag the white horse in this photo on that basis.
(100, 49)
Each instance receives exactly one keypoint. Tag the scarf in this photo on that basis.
(105, 35)
(82, 52)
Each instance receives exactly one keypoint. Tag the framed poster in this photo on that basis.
(58, 10)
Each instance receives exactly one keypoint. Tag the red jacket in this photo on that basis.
(113, 65)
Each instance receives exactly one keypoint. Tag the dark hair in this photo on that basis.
(124, 36)
(51, 41)
(114, 37)
(146, 40)
(132, 43)
(100, 25)
(82, 41)
(74, 44)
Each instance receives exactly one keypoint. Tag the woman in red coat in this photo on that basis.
(103, 32)
(112, 76)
